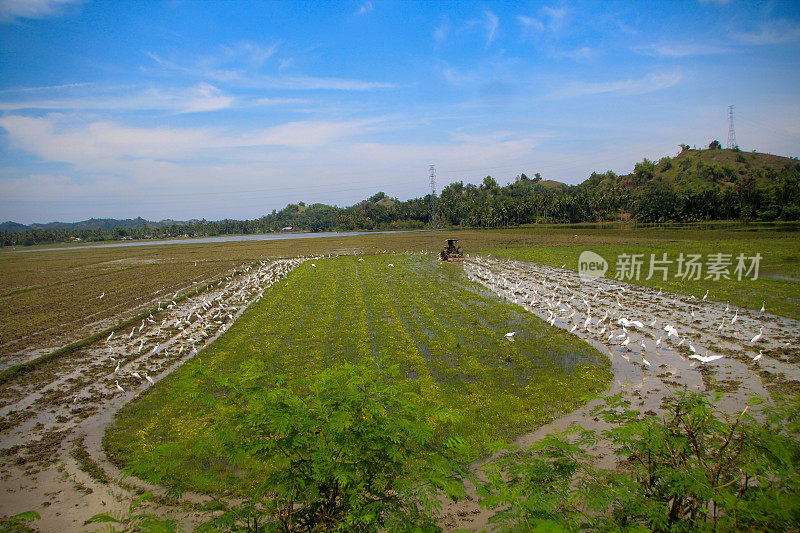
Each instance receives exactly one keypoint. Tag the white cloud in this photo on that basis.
(647, 84)
(556, 17)
(779, 31)
(206, 97)
(98, 144)
(365, 8)
(683, 49)
(550, 21)
(103, 145)
(54, 188)
(11, 10)
(306, 134)
(531, 22)
(441, 32)
(210, 68)
(202, 97)
(491, 23)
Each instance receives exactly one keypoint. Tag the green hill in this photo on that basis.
(710, 184)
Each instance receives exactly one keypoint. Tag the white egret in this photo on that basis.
(705, 358)
(101, 296)
(758, 337)
(148, 378)
(510, 335)
(118, 387)
(706, 295)
(759, 356)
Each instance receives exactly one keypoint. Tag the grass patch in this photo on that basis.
(444, 332)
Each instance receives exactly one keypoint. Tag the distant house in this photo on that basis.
(74, 239)
(287, 228)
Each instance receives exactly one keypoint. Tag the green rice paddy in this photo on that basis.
(777, 285)
(445, 333)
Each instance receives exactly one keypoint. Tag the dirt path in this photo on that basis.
(53, 419)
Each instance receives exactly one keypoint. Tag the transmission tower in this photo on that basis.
(731, 134)
(432, 174)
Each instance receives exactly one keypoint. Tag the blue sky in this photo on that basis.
(178, 109)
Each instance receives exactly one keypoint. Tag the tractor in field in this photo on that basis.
(451, 251)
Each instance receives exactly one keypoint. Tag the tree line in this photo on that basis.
(686, 188)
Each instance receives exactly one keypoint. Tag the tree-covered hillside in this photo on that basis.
(695, 185)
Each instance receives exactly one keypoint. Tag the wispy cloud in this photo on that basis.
(491, 23)
(307, 134)
(365, 8)
(647, 84)
(556, 17)
(104, 144)
(206, 97)
(11, 10)
(531, 22)
(778, 31)
(487, 24)
(237, 75)
(44, 88)
(683, 49)
(441, 31)
(202, 97)
(551, 19)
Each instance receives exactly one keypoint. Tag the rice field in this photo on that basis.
(777, 286)
(445, 333)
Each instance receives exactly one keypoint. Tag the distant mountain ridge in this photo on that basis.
(103, 224)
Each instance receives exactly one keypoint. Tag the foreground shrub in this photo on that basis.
(695, 469)
(348, 451)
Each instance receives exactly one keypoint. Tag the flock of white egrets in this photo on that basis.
(187, 328)
(636, 321)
